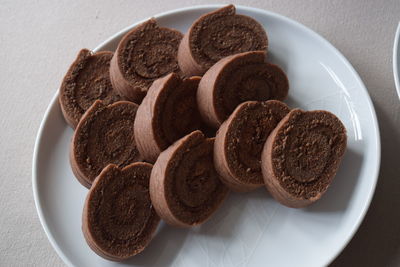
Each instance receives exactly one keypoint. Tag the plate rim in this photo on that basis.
(396, 55)
(372, 112)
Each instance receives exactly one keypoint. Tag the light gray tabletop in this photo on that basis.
(39, 40)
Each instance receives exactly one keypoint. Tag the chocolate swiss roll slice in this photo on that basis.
(104, 135)
(240, 140)
(236, 79)
(185, 188)
(118, 219)
(302, 155)
(216, 35)
(87, 80)
(144, 54)
(167, 113)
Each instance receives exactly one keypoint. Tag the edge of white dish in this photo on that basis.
(396, 55)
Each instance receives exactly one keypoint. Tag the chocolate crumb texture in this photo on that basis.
(86, 81)
(103, 136)
(237, 79)
(216, 35)
(185, 188)
(118, 219)
(168, 112)
(240, 140)
(145, 53)
(302, 155)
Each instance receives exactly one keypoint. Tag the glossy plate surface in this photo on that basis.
(249, 229)
(396, 60)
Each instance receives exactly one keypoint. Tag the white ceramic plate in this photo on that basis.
(249, 229)
(396, 60)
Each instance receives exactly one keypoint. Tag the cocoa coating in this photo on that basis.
(236, 79)
(240, 140)
(118, 219)
(216, 35)
(185, 188)
(167, 113)
(302, 155)
(103, 136)
(87, 80)
(144, 54)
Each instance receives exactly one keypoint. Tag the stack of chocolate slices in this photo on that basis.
(169, 123)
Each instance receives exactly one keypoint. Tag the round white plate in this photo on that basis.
(396, 60)
(249, 229)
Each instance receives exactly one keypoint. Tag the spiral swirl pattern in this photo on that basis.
(223, 33)
(119, 212)
(93, 82)
(105, 136)
(169, 112)
(145, 53)
(178, 114)
(240, 140)
(87, 80)
(150, 53)
(192, 187)
(250, 82)
(196, 181)
(236, 79)
(306, 152)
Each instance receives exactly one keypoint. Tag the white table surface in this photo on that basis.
(40, 39)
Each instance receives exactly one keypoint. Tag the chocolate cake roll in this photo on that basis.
(167, 113)
(185, 188)
(104, 135)
(118, 219)
(236, 79)
(240, 140)
(216, 35)
(144, 54)
(87, 80)
(302, 155)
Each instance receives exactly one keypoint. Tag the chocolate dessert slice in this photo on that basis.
(216, 35)
(103, 136)
(185, 188)
(302, 155)
(144, 54)
(167, 113)
(86, 81)
(236, 79)
(240, 140)
(118, 219)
